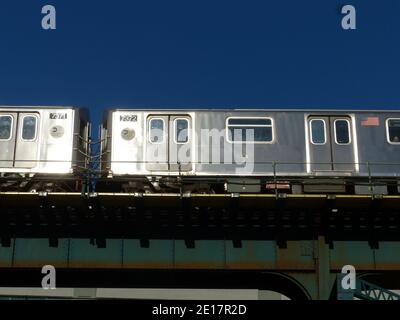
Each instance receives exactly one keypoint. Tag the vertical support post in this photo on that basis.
(323, 269)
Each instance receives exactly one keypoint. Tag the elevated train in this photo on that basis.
(43, 148)
(205, 151)
(299, 151)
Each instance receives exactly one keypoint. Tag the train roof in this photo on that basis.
(83, 112)
(252, 109)
(38, 107)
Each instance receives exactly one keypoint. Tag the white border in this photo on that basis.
(311, 133)
(348, 129)
(272, 126)
(387, 131)
(11, 128)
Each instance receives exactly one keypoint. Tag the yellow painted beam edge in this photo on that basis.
(178, 195)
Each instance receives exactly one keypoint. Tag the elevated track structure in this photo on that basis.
(290, 243)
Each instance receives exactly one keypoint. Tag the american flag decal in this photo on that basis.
(370, 121)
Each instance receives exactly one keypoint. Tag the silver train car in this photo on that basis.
(299, 151)
(42, 146)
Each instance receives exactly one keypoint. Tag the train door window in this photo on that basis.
(29, 128)
(156, 130)
(5, 127)
(256, 130)
(342, 131)
(393, 131)
(318, 131)
(181, 130)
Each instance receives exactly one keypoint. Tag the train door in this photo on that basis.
(180, 143)
(169, 143)
(157, 143)
(8, 125)
(331, 143)
(18, 139)
(26, 142)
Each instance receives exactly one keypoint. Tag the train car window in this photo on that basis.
(181, 130)
(318, 131)
(342, 131)
(29, 128)
(156, 130)
(5, 127)
(393, 130)
(258, 130)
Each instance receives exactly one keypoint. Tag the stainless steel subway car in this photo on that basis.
(38, 142)
(299, 150)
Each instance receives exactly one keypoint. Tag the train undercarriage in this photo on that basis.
(21, 182)
(263, 185)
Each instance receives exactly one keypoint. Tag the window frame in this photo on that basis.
(348, 129)
(149, 130)
(11, 127)
(188, 130)
(388, 133)
(311, 132)
(22, 127)
(272, 126)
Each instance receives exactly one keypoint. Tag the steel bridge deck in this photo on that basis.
(171, 200)
(297, 242)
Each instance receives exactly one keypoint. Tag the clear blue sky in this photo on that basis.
(200, 54)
